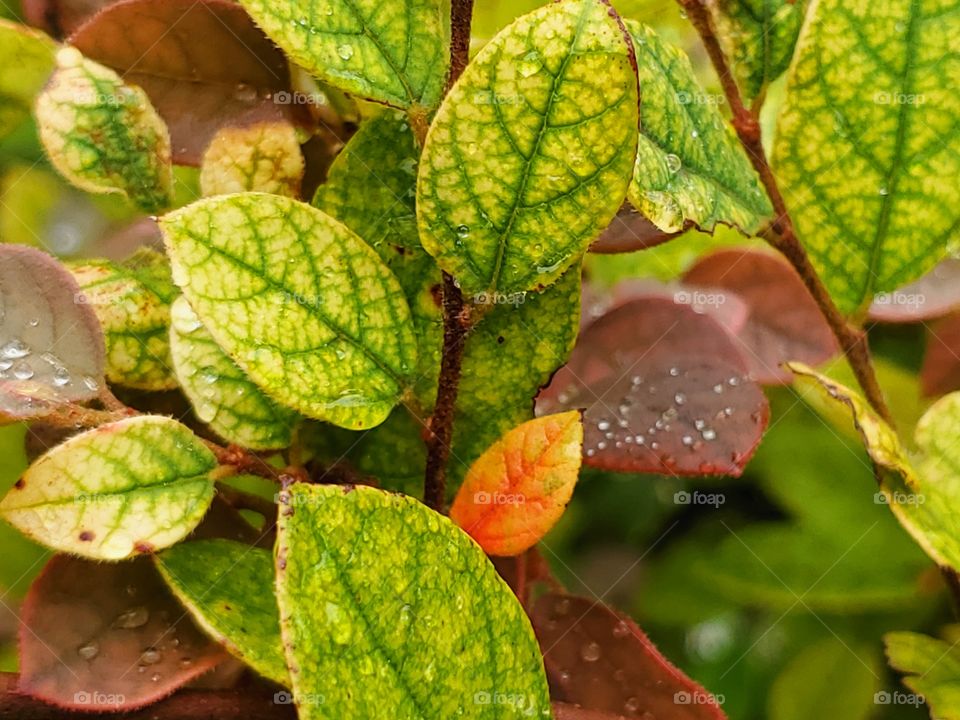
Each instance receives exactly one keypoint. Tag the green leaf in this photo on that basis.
(508, 357)
(865, 141)
(264, 157)
(392, 53)
(26, 59)
(128, 487)
(228, 589)
(529, 156)
(368, 621)
(691, 169)
(132, 301)
(221, 394)
(758, 37)
(931, 669)
(371, 189)
(104, 136)
(808, 686)
(921, 488)
(306, 309)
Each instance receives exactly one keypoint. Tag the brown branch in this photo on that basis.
(456, 319)
(781, 232)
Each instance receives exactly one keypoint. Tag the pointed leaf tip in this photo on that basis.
(518, 489)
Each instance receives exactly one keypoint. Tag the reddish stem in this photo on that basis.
(781, 232)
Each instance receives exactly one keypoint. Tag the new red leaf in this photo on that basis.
(665, 390)
(204, 64)
(784, 321)
(629, 231)
(518, 489)
(109, 636)
(601, 661)
(941, 363)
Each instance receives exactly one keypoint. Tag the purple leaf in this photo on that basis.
(664, 389)
(940, 373)
(935, 294)
(629, 231)
(784, 322)
(601, 661)
(107, 636)
(235, 75)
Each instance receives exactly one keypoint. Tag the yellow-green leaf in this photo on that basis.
(921, 488)
(530, 154)
(368, 623)
(26, 61)
(518, 489)
(264, 157)
(228, 589)
(306, 309)
(758, 38)
(221, 394)
(867, 145)
(931, 669)
(129, 487)
(394, 53)
(371, 189)
(104, 136)
(691, 169)
(132, 300)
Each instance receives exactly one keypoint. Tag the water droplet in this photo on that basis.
(155, 677)
(340, 353)
(603, 425)
(883, 190)
(544, 269)
(728, 411)
(632, 705)
(150, 656)
(531, 64)
(14, 350)
(132, 618)
(674, 372)
(590, 652)
(345, 51)
(34, 322)
(89, 650)
(687, 440)
(463, 232)
(245, 93)
(621, 630)
(709, 434)
(733, 381)
(209, 375)
(674, 163)
(679, 398)
(22, 371)
(561, 607)
(694, 134)
(61, 376)
(718, 388)
(91, 384)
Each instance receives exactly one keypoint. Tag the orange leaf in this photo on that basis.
(517, 490)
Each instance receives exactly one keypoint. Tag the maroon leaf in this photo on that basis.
(664, 389)
(784, 322)
(629, 231)
(725, 306)
(51, 344)
(203, 63)
(600, 660)
(60, 17)
(941, 364)
(107, 637)
(934, 295)
(565, 711)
